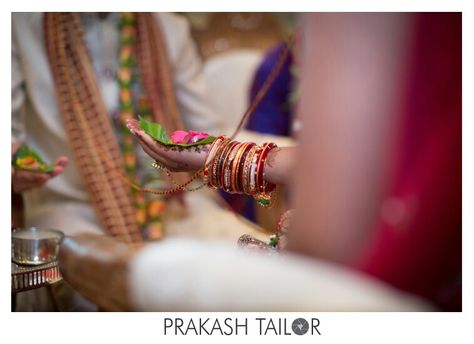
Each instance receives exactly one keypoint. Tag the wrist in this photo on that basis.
(278, 165)
(271, 172)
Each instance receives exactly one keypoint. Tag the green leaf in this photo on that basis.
(155, 130)
(23, 152)
(158, 133)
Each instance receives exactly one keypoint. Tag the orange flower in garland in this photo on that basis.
(125, 54)
(126, 96)
(128, 33)
(125, 75)
(130, 159)
(156, 208)
(125, 115)
(141, 216)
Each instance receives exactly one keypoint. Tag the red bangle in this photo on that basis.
(267, 147)
(253, 172)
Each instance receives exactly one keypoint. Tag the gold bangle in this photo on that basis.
(246, 172)
(224, 173)
(212, 179)
(237, 169)
(217, 165)
(216, 145)
(253, 171)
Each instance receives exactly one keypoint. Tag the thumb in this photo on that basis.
(59, 165)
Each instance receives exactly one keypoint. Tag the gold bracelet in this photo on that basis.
(247, 167)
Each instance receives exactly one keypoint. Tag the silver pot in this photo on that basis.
(35, 246)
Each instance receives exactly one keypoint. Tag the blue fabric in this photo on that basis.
(273, 114)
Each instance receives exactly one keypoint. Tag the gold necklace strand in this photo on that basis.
(222, 201)
(196, 188)
(160, 166)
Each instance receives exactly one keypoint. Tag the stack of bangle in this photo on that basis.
(238, 167)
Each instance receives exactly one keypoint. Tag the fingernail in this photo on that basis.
(131, 129)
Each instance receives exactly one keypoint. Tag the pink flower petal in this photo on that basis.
(186, 137)
(199, 137)
(180, 136)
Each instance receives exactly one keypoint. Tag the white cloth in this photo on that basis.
(184, 275)
(63, 203)
(233, 70)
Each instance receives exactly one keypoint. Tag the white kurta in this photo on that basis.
(63, 202)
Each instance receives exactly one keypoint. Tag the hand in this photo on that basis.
(96, 266)
(26, 180)
(175, 159)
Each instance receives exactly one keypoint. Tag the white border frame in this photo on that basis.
(336, 327)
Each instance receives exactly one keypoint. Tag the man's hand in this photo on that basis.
(26, 180)
(96, 266)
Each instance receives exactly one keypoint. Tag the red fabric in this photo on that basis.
(421, 252)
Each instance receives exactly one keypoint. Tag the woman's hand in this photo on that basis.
(175, 159)
(26, 180)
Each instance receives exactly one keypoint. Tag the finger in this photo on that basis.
(170, 164)
(152, 154)
(56, 171)
(31, 177)
(62, 161)
(31, 185)
(59, 166)
(133, 125)
(151, 143)
(152, 151)
(19, 186)
(15, 147)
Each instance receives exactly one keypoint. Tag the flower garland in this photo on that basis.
(149, 209)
